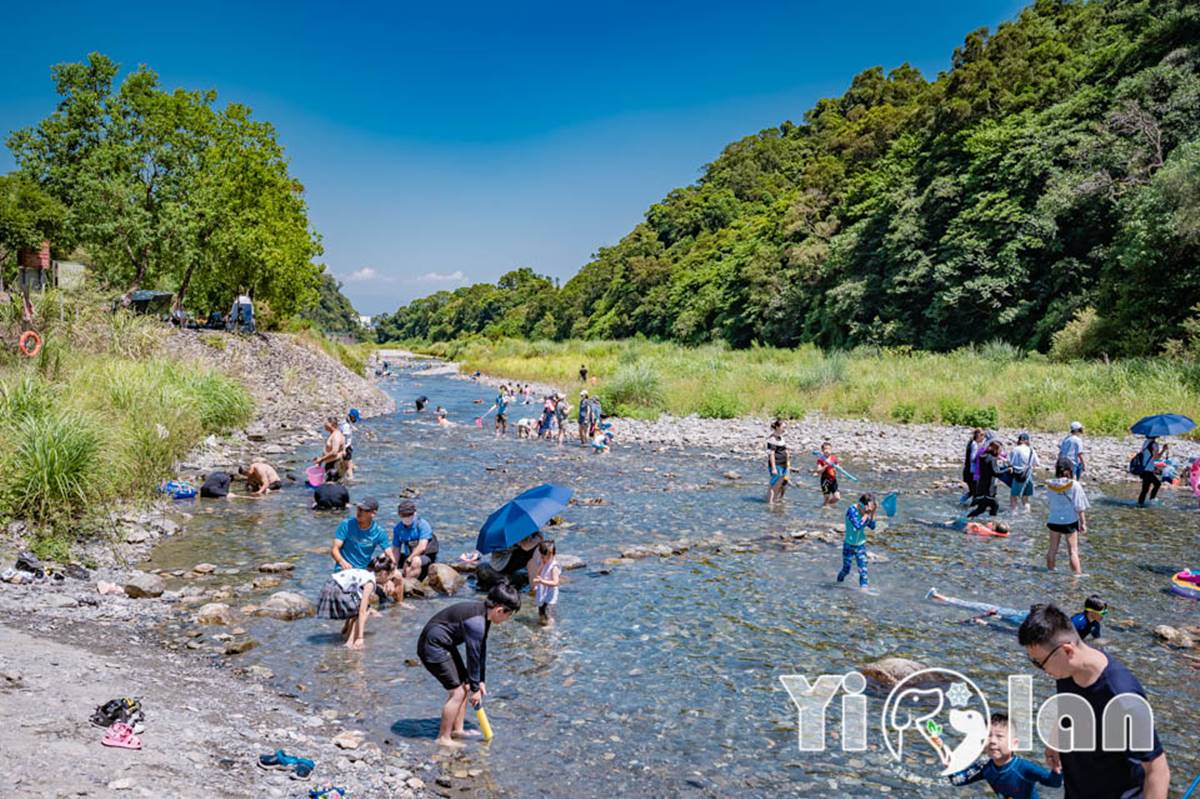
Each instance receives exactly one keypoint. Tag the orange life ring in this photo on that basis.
(27, 338)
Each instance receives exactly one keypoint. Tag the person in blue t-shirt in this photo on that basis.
(500, 405)
(1011, 777)
(414, 546)
(1088, 622)
(1133, 766)
(358, 537)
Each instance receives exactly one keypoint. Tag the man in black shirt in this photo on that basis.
(463, 623)
(1139, 769)
(215, 486)
(330, 496)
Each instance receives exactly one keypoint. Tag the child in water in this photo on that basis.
(1088, 622)
(547, 575)
(1008, 775)
(859, 517)
(777, 463)
(441, 417)
(347, 595)
(827, 470)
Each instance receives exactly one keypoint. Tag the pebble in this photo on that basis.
(123, 784)
(350, 739)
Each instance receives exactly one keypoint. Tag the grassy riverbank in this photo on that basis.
(100, 414)
(989, 386)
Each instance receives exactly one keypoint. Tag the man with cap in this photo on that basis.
(1022, 460)
(585, 418)
(1071, 449)
(414, 545)
(358, 537)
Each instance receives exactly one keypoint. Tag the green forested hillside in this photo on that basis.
(1054, 168)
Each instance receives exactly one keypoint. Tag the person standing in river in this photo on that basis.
(467, 624)
(1022, 460)
(1095, 766)
(985, 488)
(970, 474)
(335, 447)
(583, 373)
(1071, 449)
(777, 463)
(584, 418)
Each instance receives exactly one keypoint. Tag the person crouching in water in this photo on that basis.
(777, 463)
(347, 595)
(466, 623)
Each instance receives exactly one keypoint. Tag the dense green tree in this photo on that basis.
(28, 216)
(332, 312)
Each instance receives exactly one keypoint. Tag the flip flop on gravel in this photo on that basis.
(121, 736)
(304, 769)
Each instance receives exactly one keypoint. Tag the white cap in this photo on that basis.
(1075, 426)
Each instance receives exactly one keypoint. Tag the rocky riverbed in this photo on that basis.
(71, 643)
(880, 445)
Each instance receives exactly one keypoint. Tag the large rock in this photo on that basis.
(889, 671)
(215, 613)
(1173, 637)
(142, 585)
(287, 606)
(276, 568)
(350, 739)
(414, 588)
(570, 562)
(444, 579)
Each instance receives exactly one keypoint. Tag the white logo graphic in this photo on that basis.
(916, 715)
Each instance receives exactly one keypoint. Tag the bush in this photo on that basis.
(635, 385)
(1000, 351)
(790, 409)
(957, 413)
(52, 467)
(903, 412)
(719, 405)
(1082, 337)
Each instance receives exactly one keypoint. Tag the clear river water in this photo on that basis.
(661, 678)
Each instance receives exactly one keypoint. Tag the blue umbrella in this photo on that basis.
(1162, 424)
(522, 516)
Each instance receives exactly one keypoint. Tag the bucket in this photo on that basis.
(315, 475)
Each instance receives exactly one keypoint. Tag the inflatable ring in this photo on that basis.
(1184, 588)
(178, 490)
(27, 338)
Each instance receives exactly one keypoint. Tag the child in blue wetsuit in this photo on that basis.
(1009, 776)
(859, 517)
(1088, 622)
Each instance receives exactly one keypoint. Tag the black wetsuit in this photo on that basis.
(985, 490)
(331, 496)
(216, 486)
(421, 402)
(437, 647)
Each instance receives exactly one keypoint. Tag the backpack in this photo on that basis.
(1140, 462)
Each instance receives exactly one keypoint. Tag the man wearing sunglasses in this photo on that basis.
(1054, 646)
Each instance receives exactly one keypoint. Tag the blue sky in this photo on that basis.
(441, 146)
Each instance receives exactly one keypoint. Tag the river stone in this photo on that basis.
(215, 613)
(204, 568)
(266, 581)
(350, 739)
(60, 601)
(465, 567)
(444, 579)
(257, 432)
(238, 647)
(1173, 637)
(137, 537)
(287, 606)
(414, 588)
(276, 568)
(889, 671)
(570, 562)
(142, 585)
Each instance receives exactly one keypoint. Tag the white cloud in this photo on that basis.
(360, 275)
(442, 277)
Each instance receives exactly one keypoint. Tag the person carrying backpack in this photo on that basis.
(1022, 460)
(1144, 466)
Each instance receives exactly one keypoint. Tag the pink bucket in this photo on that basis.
(315, 475)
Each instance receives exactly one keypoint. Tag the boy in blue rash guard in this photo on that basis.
(1088, 622)
(854, 547)
(1009, 776)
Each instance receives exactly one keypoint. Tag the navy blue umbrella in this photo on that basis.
(1162, 424)
(522, 516)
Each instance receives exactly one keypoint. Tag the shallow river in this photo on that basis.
(662, 677)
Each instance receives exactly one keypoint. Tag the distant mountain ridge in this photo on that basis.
(1054, 168)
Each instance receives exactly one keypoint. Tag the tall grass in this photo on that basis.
(993, 384)
(103, 418)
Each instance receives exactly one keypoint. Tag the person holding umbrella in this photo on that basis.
(512, 533)
(467, 624)
(1144, 464)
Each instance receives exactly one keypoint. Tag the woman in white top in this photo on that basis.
(1068, 506)
(1022, 460)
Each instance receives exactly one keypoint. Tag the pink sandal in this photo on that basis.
(121, 735)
